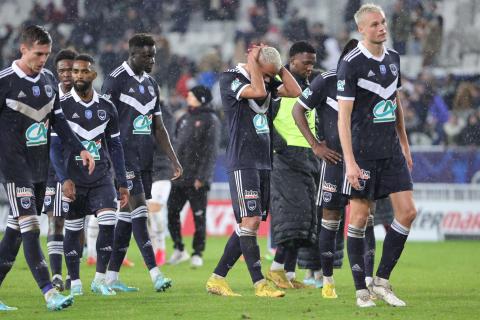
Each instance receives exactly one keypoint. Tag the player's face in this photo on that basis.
(83, 75)
(64, 71)
(144, 58)
(268, 70)
(36, 55)
(373, 27)
(302, 64)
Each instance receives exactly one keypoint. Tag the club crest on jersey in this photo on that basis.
(48, 90)
(235, 84)
(307, 93)
(251, 205)
(141, 89)
(141, 124)
(394, 69)
(383, 69)
(47, 201)
(260, 122)
(36, 91)
(102, 114)
(151, 90)
(25, 202)
(88, 114)
(37, 134)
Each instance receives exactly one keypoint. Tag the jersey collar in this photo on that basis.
(77, 98)
(132, 74)
(22, 74)
(367, 53)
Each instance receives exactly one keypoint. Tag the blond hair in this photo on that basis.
(270, 55)
(366, 8)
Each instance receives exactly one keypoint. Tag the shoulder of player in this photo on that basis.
(117, 72)
(354, 55)
(46, 71)
(66, 97)
(105, 99)
(392, 51)
(234, 73)
(5, 73)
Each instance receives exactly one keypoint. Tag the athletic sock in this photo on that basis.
(355, 250)
(369, 247)
(9, 247)
(106, 227)
(121, 241)
(326, 241)
(291, 256)
(392, 248)
(92, 234)
(231, 253)
(140, 232)
(251, 253)
(55, 253)
(72, 247)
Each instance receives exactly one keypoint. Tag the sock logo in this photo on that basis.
(72, 253)
(327, 254)
(147, 244)
(107, 249)
(356, 268)
(257, 264)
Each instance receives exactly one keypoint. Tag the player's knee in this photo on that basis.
(359, 220)
(329, 214)
(74, 224)
(409, 215)
(58, 224)
(29, 223)
(106, 218)
(252, 223)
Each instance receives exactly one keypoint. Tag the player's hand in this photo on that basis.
(124, 195)
(177, 170)
(354, 173)
(68, 189)
(197, 184)
(87, 160)
(323, 152)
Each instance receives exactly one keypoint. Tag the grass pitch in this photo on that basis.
(437, 280)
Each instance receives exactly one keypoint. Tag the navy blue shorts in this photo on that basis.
(89, 200)
(53, 199)
(140, 182)
(385, 176)
(330, 194)
(25, 199)
(250, 193)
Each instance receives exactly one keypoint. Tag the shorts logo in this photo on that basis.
(24, 192)
(47, 201)
(141, 89)
(329, 187)
(394, 69)
(384, 111)
(251, 194)
(327, 197)
(260, 123)
(102, 114)
(36, 134)
(88, 114)
(36, 91)
(366, 174)
(50, 191)
(251, 205)
(130, 175)
(383, 69)
(341, 85)
(129, 185)
(65, 206)
(307, 93)
(141, 124)
(235, 84)
(25, 202)
(362, 184)
(48, 91)
(151, 91)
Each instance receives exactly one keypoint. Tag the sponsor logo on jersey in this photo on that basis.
(394, 69)
(102, 114)
(151, 90)
(48, 90)
(93, 147)
(88, 114)
(37, 134)
(141, 89)
(383, 69)
(24, 192)
(250, 194)
(341, 85)
(307, 93)
(21, 94)
(142, 123)
(36, 91)
(329, 187)
(25, 202)
(384, 111)
(75, 116)
(131, 90)
(371, 74)
(251, 205)
(235, 84)
(260, 122)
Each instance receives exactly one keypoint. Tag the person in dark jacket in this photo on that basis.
(197, 136)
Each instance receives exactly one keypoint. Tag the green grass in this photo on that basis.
(437, 280)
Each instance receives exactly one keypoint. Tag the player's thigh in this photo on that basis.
(330, 195)
(246, 193)
(21, 197)
(367, 185)
(393, 176)
(404, 207)
(101, 197)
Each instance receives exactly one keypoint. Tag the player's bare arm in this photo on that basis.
(163, 139)
(402, 134)
(290, 87)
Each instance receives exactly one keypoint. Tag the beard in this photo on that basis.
(81, 86)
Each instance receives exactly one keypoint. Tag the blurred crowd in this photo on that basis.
(438, 111)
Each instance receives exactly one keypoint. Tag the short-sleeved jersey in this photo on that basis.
(26, 114)
(372, 84)
(322, 96)
(94, 123)
(137, 100)
(248, 122)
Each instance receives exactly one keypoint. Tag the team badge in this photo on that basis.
(48, 90)
(235, 84)
(252, 205)
(47, 201)
(129, 184)
(102, 114)
(341, 85)
(362, 184)
(327, 197)
(141, 89)
(88, 114)
(25, 202)
(383, 70)
(65, 206)
(151, 90)
(36, 91)
(307, 93)
(394, 69)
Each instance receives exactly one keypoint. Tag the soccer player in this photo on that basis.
(375, 147)
(29, 105)
(247, 92)
(53, 193)
(95, 121)
(321, 95)
(136, 96)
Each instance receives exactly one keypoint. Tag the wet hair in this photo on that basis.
(367, 7)
(65, 54)
(271, 55)
(301, 47)
(85, 57)
(141, 40)
(35, 34)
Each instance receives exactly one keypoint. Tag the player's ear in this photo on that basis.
(23, 48)
(94, 75)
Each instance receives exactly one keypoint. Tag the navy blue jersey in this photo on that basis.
(29, 106)
(372, 84)
(94, 123)
(322, 96)
(137, 102)
(248, 122)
